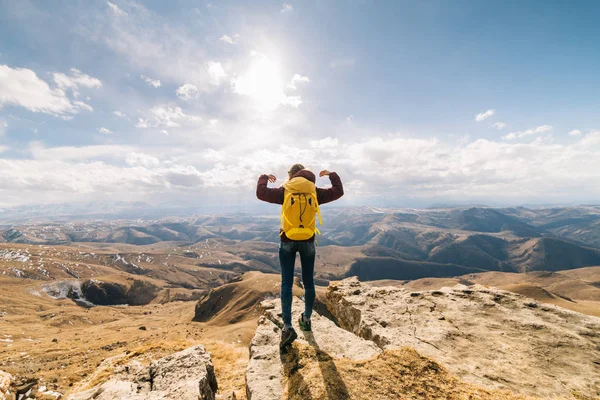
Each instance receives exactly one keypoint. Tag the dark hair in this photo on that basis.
(295, 169)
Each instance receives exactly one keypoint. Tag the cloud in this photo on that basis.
(528, 132)
(387, 169)
(231, 40)
(22, 87)
(141, 159)
(72, 153)
(52, 180)
(297, 79)
(119, 114)
(115, 10)
(163, 48)
(216, 72)
(575, 132)
(75, 80)
(484, 115)
(150, 81)
(3, 127)
(499, 125)
(287, 8)
(105, 131)
(187, 92)
(590, 141)
(165, 116)
(342, 63)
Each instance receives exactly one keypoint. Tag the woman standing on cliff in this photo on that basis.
(301, 182)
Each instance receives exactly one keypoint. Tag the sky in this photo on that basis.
(413, 103)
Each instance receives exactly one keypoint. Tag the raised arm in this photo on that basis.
(334, 192)
(270, 195)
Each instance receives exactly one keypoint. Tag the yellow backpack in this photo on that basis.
(300, 209)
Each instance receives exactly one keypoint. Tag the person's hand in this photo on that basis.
(324, 173)
(272, 178)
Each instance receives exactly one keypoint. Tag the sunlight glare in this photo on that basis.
(262, 82)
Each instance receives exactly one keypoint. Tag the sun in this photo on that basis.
(262, 82)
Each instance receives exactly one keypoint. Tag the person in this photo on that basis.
(306, 248)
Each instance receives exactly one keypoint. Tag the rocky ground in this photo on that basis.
(485, 336)
(332, 363)
(371, 342)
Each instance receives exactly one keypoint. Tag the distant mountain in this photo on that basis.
(579, 224)
(480, 220)
(383, 243)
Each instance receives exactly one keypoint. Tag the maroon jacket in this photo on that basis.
(275, 195)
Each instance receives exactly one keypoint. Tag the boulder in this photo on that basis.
(485, 336)
(186, 375)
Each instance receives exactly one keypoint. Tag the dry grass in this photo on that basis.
(230, 363)
(394, 374)
(85, 338)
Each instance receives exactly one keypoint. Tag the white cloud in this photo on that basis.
(119, 114)
(72, 153)
(187, 92)
(151, 82)
(115, 10)
(141, 159)
(373, 168)
(164, 116)
(297, 79)
(216, 72)
(590, 140)
(342, 63)
(484, 115)
(528, 132)
(287, 8)
(327, 142)
(231, 40)
(499, 125)
(74, 81)
(575, 132)
(22, 87)
(105, 131)
(3, 127)
(163, 48)
(53, 180)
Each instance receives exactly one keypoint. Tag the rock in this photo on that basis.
(513, 345)
(264, 374)
(264, 371)
(142, 328)
(325, 335)
(186, 375)
(6, 380)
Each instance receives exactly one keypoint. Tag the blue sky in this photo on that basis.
(412, 102)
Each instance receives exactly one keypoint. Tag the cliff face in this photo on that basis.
(485, 336)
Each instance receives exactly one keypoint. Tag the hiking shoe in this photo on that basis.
(288, 335)
(304, 324)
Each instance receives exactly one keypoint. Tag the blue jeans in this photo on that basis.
(287, 259)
